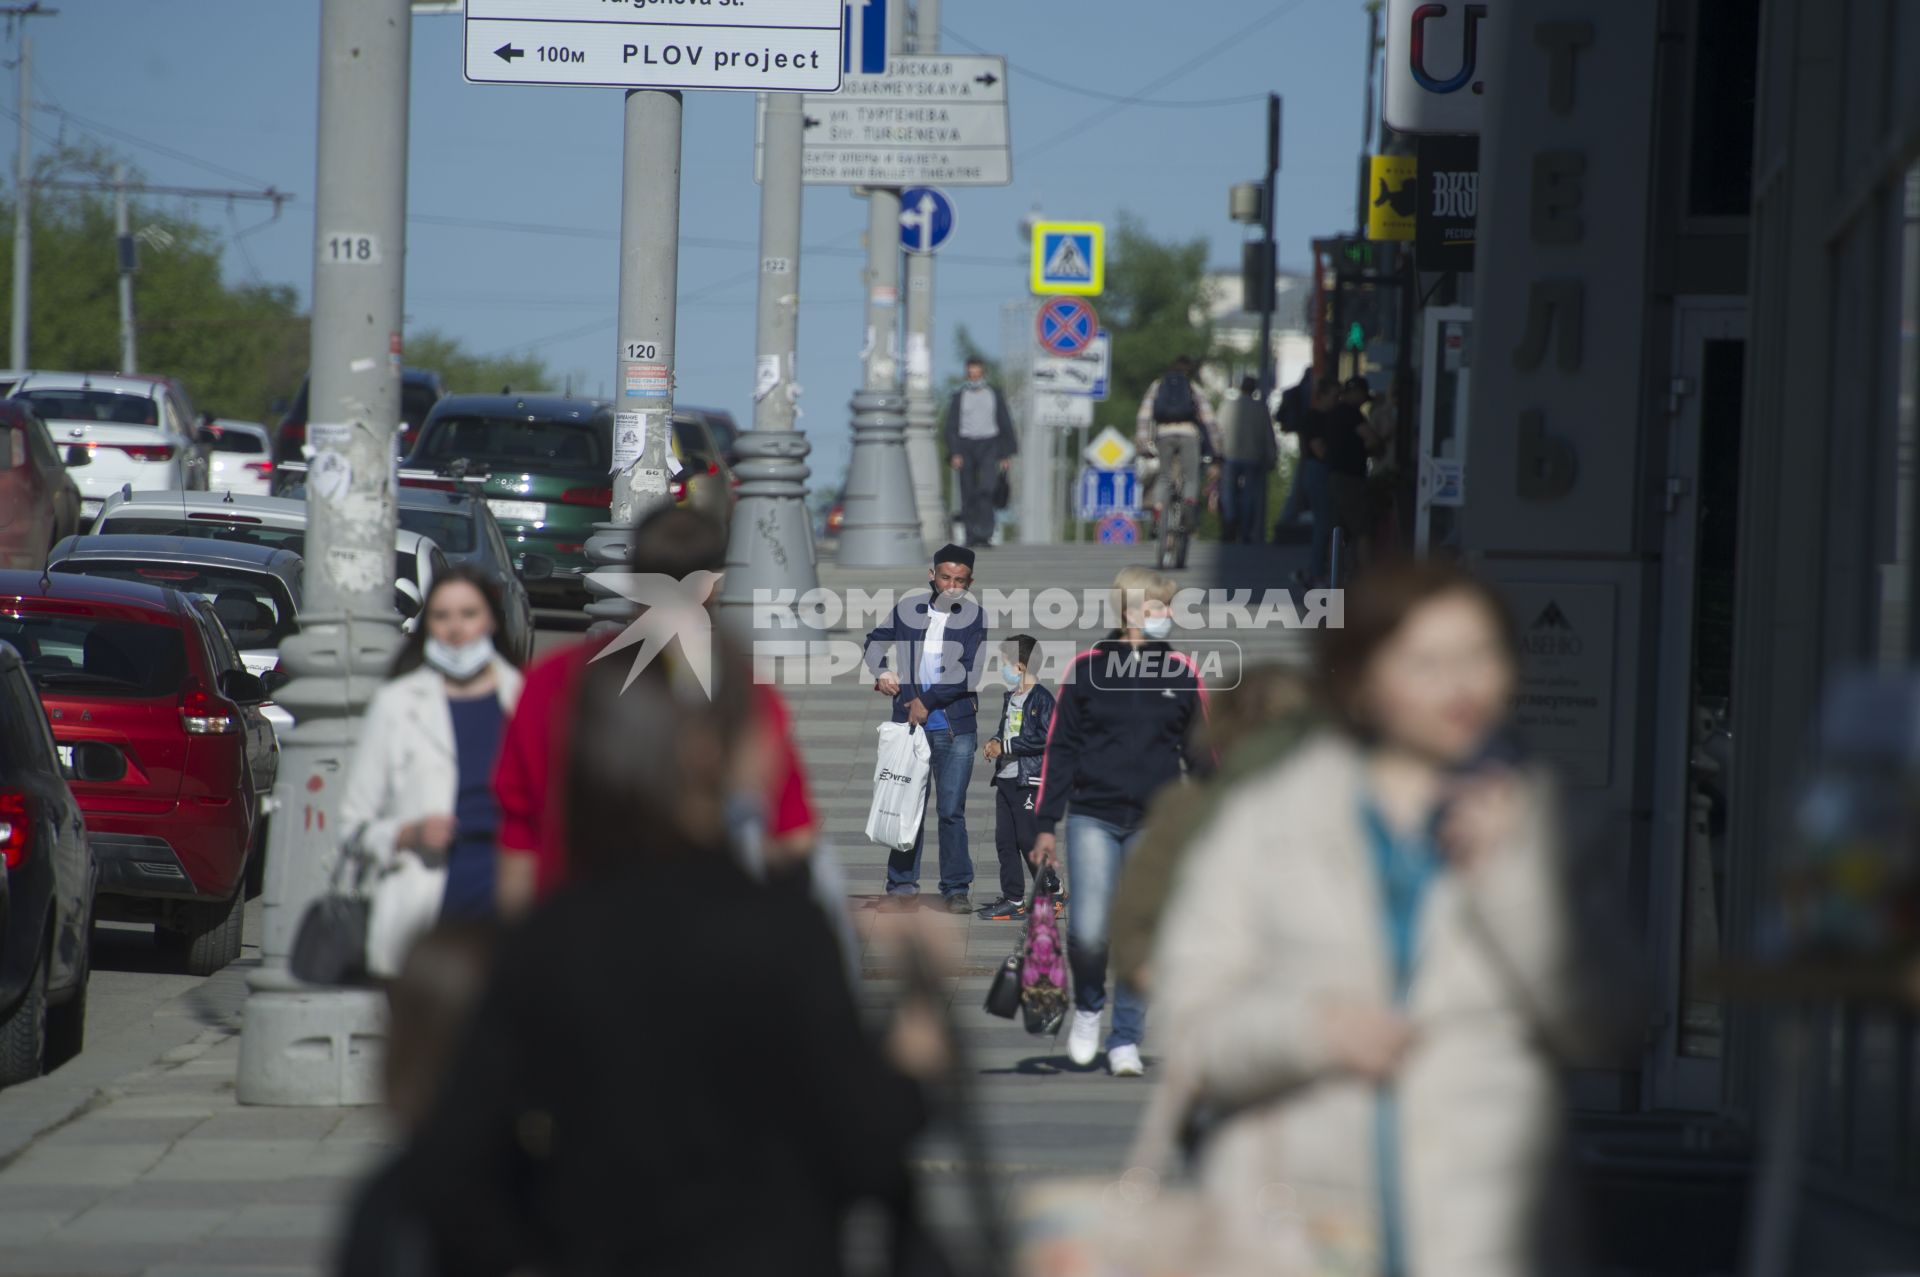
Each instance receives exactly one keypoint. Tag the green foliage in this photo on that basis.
(1155, 305)
(465, 373)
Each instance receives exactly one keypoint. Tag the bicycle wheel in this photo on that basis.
(1172, 531)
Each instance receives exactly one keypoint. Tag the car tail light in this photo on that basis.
(677, 489)
(262, 468)
(147, 451)
(570, 547)
(168, 574)
(204, 715)
(16, 827)
(587, 496)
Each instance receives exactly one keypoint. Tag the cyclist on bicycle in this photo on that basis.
(1176, 428)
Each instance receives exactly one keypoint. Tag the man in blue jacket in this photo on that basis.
(937, 639)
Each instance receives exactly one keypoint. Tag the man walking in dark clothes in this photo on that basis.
(981, 446)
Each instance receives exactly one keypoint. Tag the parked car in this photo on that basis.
(420, 390)
(9, 378)
(240, 457)
(254, 589)
(270, 521)
(547, 462)
(46, 889)
(137, 431)
(705, 481)
(464, 528)
(720, 424)
(150, 674)
(39, 501)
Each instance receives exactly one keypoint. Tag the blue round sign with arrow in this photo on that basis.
(926, 219)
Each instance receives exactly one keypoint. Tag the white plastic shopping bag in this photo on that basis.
(899, 786)
(405, 903)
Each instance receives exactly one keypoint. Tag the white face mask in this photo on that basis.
(459, 662)
(1157, 627)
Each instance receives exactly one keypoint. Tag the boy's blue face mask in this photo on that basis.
(1010, 675)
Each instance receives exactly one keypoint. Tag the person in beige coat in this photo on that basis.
(1372, 965)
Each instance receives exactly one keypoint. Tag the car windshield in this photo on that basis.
(516, 443)
(690, 441)
(255, 607)
(211, 528)
(451, 530)
(109, 406)
(227, 440)
(84, 656)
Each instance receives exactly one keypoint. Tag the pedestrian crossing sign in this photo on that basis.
(1069, 257)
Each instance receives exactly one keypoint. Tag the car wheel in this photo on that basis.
(23, 1034)
(67, 1023)
(201, 933)
(235, 928)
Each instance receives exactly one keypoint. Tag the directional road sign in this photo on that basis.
(927, 121)
(864, 46)
(1069, 257)
(1062, 412)
(926, 219)
(1086, 373)
(767, 46)
(1066, 326)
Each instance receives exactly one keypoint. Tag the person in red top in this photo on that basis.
(528, 780)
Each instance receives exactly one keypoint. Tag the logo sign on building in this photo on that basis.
(1086, 373)
(1066, 326)
(1069, 257)
(1103, 492)
(1061, 412)
(766, 46)
(926, 219)
(1564, 704)
(1392, 196)
(923, 121)
(1435, 82)
(1449, 203)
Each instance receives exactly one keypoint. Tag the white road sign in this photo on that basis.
(1083, 374)
(929, 121)
(768, 46)
(1061, 411)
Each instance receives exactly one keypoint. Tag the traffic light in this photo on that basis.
(1356, 336)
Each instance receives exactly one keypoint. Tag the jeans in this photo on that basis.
(1096, 852)
(1243, 501)
(952, 765)
(1313, 473)
(1296, 498)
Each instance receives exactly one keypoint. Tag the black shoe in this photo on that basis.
(960, 903)
(1005, 910)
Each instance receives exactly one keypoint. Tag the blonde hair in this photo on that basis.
(1137, 584)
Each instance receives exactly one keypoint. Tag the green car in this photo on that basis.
(548, 461)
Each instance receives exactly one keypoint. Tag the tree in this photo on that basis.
(1155, 306)
(465, 373)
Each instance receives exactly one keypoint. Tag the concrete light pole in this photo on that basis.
(882, 528)
(124, 246)
(643, 375)
(923, 452)
(301, 1045)
(771, 544)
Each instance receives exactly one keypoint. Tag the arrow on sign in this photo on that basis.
(507, 53)
(808, 122)
(989, 79)
(921, 220)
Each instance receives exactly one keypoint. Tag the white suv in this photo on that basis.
(136, 431)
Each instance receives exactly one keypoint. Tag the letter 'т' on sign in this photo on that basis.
(1069, 257)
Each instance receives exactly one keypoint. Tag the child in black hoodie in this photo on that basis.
(1016, 750)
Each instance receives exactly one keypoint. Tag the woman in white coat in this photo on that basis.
(1372, 965)
(421, 782)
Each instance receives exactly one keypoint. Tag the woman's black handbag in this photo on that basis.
(1003, 995)
(1002, 492)
(331, 945)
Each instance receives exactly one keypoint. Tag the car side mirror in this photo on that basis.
(273, 680)
(78, 454)
(98, 762)
(242, 688)
(535, 567)
(406, 599)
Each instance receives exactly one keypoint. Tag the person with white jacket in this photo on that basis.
(1372, 966)
(420, 784)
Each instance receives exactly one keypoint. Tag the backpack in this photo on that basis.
(1293, 409)
(1173, 401)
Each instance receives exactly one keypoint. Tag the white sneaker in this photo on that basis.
(1125, 1061)
(1083, 1039)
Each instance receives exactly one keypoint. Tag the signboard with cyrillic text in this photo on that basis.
(929, 121)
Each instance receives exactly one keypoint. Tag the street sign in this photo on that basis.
(864, 45)
(1086, 373)
(1069, 257)
(924, 121)
(1392, 196)
(1104, 492)
(1062, 412)
(782, 46)
(1117, 529)
(1434, 82)
(926, 219)
(1066, 326)
(1110, 450)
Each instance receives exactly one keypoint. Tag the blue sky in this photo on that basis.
(231, 84)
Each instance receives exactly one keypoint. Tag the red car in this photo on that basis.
(150, 672)
(39, 501)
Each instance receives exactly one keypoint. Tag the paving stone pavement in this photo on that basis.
(158, 1171)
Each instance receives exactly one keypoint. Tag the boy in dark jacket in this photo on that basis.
(1016, 751)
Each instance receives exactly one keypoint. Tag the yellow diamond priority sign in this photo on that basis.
(1109, 450)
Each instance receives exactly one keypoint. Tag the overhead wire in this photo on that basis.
(1126, 99)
